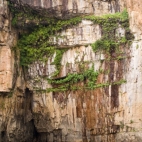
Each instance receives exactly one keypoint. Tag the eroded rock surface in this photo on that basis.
(6, 57)
(15, 111)
(67, 8)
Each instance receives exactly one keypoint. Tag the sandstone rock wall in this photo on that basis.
(67, 8)
(14, 126)
(132, 105)
(6, 57)
(79, 115)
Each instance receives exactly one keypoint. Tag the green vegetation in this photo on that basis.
(74, 82)
(110, 23)
(2, 104)
(35, 44)
(57, 60)
(131, 121)
(88, 77)
(122, 125)
(71, 79)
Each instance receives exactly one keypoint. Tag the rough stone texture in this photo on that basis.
(130, 101)
(111, 114)
(85, 33)
(6, 57)
(5, 69)
(78, 115)
(15, 117)
(16, 123)
(67, 8)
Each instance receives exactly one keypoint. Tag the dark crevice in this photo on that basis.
(54, 136)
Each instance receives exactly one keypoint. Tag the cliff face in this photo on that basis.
(68, 8)
(73, 78)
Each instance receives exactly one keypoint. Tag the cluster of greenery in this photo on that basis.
(57, 61)
(37, 42)
(109, 24)
(72, 82)
(35, 45)
(90, 76)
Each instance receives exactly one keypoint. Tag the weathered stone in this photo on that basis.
(109, 114)
(83, 34)
(6, 73)
(67, 8)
